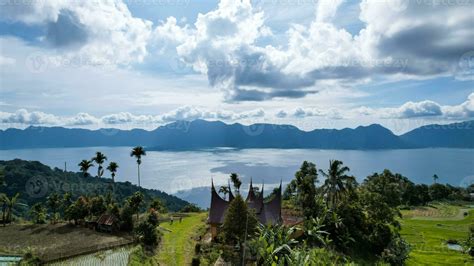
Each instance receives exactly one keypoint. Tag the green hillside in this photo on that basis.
(35, 181)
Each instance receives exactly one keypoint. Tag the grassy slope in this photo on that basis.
(177, 246)
(427, 231)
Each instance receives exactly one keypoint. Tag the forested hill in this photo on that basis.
(198, 134)
(35, 181)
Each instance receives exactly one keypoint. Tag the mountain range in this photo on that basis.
(201, 134)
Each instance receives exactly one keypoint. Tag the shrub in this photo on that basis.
(147, 234)
(397, 251)
(191, 208)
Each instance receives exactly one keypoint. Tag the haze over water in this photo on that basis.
(173, 171)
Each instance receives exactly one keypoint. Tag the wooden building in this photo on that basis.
(267, 212)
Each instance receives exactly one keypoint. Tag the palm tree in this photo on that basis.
(9, 204)
(84, 166)
(112, 169)
(336, 182)
(435, 178)
(234, 178)
(138, 152)
(99, 158)
(224, 190)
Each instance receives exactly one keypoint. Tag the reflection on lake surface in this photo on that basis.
(173, 171)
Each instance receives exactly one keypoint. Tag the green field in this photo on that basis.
(427, 230)
(177, 246)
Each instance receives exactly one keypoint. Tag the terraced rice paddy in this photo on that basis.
(116, 257)
(428, 229)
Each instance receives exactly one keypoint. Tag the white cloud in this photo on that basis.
(418, 109)
(464, 110)
(103, 32)
(422, 109)
(81, 119)
(22, 116)
(326, 10)
(223, 46)
(6, 61)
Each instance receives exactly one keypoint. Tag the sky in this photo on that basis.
(310, 63)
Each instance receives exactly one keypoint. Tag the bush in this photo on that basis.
(397, 251)
(191, 208)
(153, 218)
(126, 218)
(147, 234)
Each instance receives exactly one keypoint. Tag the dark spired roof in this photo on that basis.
(272, 209)
(253, 201)
(218, 207)
(267, 213)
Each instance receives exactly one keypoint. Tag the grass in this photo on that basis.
(177, 245)
(54, 241)
(427, 230)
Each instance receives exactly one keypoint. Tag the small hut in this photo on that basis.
(107, 223)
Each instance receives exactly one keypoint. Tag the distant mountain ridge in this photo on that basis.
(200, 134)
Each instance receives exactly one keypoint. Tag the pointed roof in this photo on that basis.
(272, 209)
(267, 213)
(218, 207)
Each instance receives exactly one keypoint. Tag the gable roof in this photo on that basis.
(106, 219)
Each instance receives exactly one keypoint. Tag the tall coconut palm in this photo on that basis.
(99, 158)
(10, 203)
(435, 178)
(336, 182)
(113, 170)
(84, 167)
(224, 190)
(138, 152)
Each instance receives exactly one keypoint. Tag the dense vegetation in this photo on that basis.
(35, 182)
(344, 221)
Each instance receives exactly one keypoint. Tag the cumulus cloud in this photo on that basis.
(223, 44)
(418, 109)
(422, 109)
(188, 113)
(22, 116)
(103, 32)
(464, 110)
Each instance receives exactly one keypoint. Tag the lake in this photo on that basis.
(172, 171)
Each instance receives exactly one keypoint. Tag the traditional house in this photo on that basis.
(267, 212)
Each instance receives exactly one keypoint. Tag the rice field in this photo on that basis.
(116, 257)
(428, 230)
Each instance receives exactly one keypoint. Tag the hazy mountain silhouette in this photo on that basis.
(198, 134)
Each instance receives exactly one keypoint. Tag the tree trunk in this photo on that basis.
(138, 175)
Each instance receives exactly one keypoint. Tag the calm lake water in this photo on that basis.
(174, 171)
